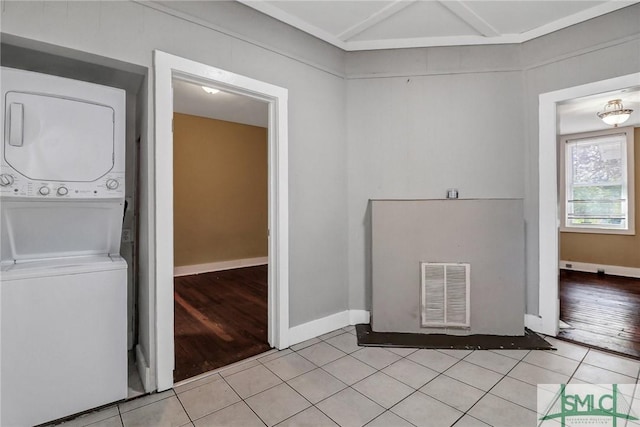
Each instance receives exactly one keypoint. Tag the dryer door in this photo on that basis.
(50, 138)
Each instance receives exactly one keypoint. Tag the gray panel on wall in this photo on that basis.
(488, 234)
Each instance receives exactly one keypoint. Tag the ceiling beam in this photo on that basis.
(295, 21)
(375, 18)
(463, 12)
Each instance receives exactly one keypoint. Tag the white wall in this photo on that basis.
(309, 69)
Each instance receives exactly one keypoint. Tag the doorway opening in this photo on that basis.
(554, 285)
(220, 227)
(601, 311)
(599, 280)
(169, 68)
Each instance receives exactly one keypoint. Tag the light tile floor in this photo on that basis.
(329, 381)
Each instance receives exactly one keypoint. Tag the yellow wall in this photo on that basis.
(220, 190)
(607, 249)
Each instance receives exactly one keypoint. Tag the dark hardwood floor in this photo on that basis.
(603, 310)
(220, 318)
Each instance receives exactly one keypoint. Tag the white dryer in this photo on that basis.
(63, 284)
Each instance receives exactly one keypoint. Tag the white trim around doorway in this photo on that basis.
(168, 67)
(549, 220)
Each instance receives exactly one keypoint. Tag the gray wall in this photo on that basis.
(488, 234)
(419, 120)
(602, 48)
(423, 120)
(419, 124)
(257, 47)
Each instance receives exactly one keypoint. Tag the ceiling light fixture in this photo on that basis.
(210, 90)
(614, 113)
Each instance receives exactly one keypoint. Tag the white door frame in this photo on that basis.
(167, 67)
(549, 219)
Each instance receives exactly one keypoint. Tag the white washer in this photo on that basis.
(63, 338)
(63, 284)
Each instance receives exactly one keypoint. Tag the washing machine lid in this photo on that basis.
(52, 138)
(40, 230)
(62, 267)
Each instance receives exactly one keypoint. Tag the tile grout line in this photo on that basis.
(376, 370)
(316, 366)
(311, 361)
(224, 407)
(321, 367)
(491, 388)
(557, 396)
(120, 415)
(146, 404)
(418, 389)
(182, 405)
(363, 395)
(578, 367)
(243, 400)
(493, 370)
(282, 382)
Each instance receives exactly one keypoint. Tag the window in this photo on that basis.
(597, 182)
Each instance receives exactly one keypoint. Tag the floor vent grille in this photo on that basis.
(444, 299)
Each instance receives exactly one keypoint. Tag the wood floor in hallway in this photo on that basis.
(603, 310)
(220, 318)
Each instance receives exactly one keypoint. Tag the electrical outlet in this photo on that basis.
(126, 235)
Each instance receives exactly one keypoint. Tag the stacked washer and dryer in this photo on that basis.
(63, 283)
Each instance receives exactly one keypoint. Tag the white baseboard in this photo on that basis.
(187, 270)
(326, 324)
(359, 316)
(614, 270)
(318, 327)
(533, 322)
(144, 370)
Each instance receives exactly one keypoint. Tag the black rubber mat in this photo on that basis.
(529, 341)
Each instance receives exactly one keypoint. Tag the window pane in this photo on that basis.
(593, 205)
(596, 173)
(597, 162)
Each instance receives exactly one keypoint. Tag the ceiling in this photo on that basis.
(377, 24)
(374, 24)
(190, 98)
(579, 115)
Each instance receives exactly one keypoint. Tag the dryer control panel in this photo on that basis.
(110, 186)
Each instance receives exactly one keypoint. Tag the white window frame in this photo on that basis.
(630, 180)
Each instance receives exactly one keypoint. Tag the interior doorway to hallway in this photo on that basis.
(220, 213)
(549, 213)
(167, 68)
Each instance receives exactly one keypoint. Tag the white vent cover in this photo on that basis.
(444, 299)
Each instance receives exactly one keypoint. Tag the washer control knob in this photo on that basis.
(6, 180)
(44, 191)
(112, 184)
(62, 191)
